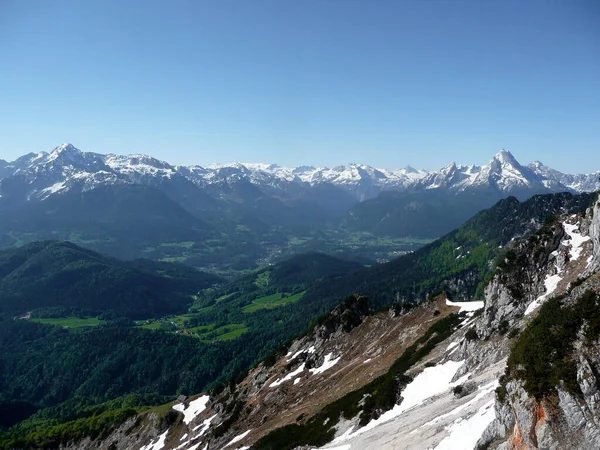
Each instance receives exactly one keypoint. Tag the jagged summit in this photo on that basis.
(73, 168)
(65, 147)
(506, 157)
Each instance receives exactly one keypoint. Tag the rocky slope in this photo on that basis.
(517, 371)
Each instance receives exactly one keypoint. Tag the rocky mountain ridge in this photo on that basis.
(67, 168)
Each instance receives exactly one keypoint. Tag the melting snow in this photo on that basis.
(576, 240)
(158, 445)
(482, 392)
(432, 381)
(551, 283)
(297, 380)
(194, 408)
(238, 438)
(295, 355)
(56, 187)
(205, 426)
(328, 363)
(367, 361)
(451, 345)
(466, 306)
(289, 376)
(466, 433)
(310, 349)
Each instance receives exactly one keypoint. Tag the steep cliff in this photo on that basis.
(549, 395)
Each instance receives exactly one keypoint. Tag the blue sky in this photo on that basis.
(383, 82)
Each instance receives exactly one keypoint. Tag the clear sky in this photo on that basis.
(382, 82)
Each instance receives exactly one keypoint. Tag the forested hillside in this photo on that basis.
(53, 274)
(460, 260)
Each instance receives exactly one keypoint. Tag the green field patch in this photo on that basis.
(202, 329)
(180, 320)
(225, 297)
(233, 334)
(175, 322)
(272, 301)
(225, 333)
(71, 322)
(198, 310)
(151, 326)
(262, 280)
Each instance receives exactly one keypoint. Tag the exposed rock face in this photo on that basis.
(132, 434)
(460, 285)
(594, 233)
(565, 422)
(520, 279)
(566, 419)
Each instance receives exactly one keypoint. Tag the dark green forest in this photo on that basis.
(61, 274)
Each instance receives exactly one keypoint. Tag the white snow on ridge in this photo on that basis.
(576, 240)
(194, 408)
(205, 425)
(451, 345)
(310, 349)
(158, 445)
(464, 433)
(466, 306)
(288, 377)
(56, 187)
(482, 392)
(551, 283)
(328, 363)
(238, 438)
(503, 172)
(432, 381)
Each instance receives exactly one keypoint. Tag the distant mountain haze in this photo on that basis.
(132, 206)
(67, 168)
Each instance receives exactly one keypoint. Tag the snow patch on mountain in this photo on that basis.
(328, 363)
(76, 170)
(430, 382)
(191, 411)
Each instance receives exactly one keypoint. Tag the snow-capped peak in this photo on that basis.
(65, 151)
(67, 168)
(506, 157)
(65, 147)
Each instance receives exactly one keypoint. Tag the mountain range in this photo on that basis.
(67, 168)
(236, 217)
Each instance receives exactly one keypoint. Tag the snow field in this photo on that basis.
(194, 408)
